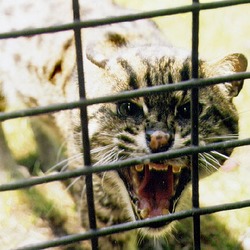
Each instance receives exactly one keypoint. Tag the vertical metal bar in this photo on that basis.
(84, 123)
(195, 125)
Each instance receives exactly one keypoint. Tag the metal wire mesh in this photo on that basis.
(82, 104)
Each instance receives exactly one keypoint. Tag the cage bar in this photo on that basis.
(195, 125)
(84, 124)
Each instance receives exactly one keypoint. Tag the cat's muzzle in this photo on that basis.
(155, 188)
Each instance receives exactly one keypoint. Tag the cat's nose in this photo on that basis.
(158, 141)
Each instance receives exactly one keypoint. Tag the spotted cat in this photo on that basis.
(41, 70)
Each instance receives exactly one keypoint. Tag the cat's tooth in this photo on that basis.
(165, 211)
(144, 213)
(166, 167)
(159, 167)
(150, 166)
(176, 169)
(139, 168)
(135, 181)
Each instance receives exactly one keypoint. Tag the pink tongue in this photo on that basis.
(155, 191)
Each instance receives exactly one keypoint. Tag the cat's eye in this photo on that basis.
(129, 109)
(183, 111)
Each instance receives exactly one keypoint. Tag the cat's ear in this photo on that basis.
(232, 63)
(96, 57)
(99, 52)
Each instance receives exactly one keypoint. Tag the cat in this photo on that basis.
(41, 70)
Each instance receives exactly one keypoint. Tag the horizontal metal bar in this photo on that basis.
(124, 163)
(193, 83)
(123, 18)
(136, 224)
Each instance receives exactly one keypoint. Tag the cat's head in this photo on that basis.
(160, 122)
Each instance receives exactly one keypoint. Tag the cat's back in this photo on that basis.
(46, 62)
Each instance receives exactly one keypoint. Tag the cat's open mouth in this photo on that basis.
(155, 188)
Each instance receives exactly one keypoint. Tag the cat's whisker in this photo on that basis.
(141, 238)
(103, 179)
(222, 137)
(243, 112)
(106, 134)
(70, 161)
(56, 166)
(207, 160)
(73, 183)
(213, 160)
(118, 157)
(106, 154)
(62, 165)
(60, 150)
(107, 157)
(101, 149)
(203, 162)
(81, 199)
(225, 157)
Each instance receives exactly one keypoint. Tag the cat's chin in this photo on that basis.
(157, 230)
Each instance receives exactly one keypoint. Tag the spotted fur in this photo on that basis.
(117, 58)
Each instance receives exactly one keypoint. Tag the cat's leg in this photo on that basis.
(50, 147)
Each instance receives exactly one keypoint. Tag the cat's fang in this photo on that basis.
(176, 169)
(165, 211)
(144, 213)
(139, 168)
